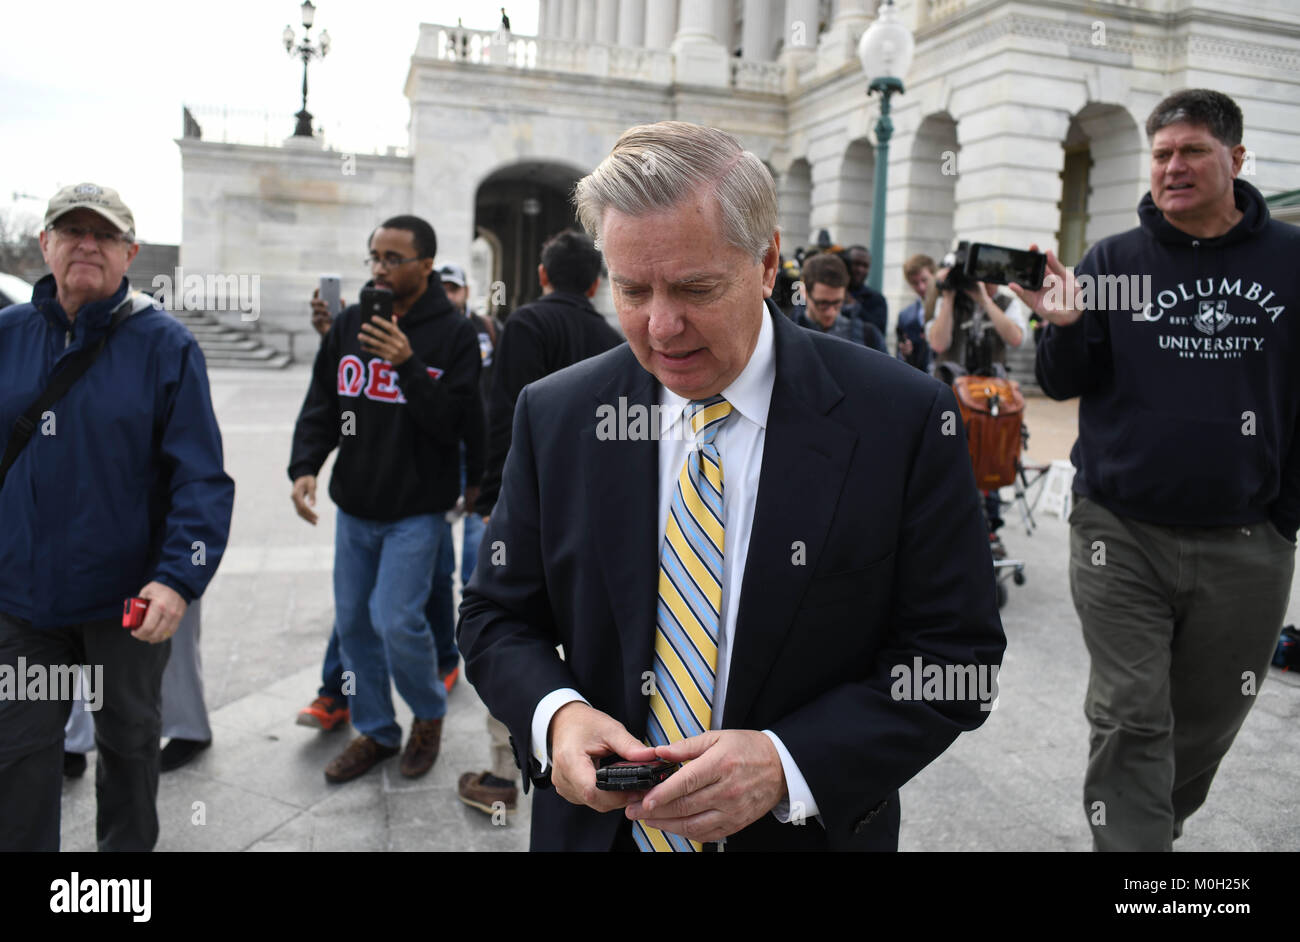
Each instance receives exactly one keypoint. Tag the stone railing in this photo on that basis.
(600, 60)
(749, 75)
(219, 124)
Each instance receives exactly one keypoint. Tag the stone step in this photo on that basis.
(229, 345)
(262, 359)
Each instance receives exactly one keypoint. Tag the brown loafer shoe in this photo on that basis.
(357, 759)
(422, 747)
(482, 790)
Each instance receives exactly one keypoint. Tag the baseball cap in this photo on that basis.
(99, 199)
(453, 274)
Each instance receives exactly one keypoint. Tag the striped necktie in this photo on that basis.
(690, 603)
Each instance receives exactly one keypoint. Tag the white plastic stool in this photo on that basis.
(1056, 489)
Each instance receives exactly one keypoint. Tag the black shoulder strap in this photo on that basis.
(25, 424)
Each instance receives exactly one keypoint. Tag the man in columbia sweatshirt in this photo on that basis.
(1187, 485)
(394, 396)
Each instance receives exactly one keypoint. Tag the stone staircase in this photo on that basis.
(229, 346)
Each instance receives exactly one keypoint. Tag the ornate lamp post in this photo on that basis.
(885, 51)
(307, 50)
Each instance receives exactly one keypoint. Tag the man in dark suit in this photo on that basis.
(697, 519)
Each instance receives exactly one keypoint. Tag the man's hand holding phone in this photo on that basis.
(1057, 300)
(581, 735)
(162, 616)
(732, 778)
(321, 318)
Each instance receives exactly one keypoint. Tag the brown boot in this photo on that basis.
(357, 759)
(422, 747)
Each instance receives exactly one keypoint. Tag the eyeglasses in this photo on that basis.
(388, 261)
(826, 305)
(77, 233)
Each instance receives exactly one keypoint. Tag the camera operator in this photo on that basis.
(969, 336)
(960, 333)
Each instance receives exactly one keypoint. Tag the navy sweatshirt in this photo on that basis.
(1188, 404)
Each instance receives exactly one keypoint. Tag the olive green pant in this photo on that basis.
(1180, 625)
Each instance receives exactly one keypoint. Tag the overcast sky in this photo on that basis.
(93, 91)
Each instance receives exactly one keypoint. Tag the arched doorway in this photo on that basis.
(1103, 178)
(516, 209)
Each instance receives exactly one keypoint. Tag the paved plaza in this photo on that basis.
(1014, 784)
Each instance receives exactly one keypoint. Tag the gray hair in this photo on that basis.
(1203, 106)
(654, 167)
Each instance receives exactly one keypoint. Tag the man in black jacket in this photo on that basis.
(557, 330)
(1188, 467)
(393, 396)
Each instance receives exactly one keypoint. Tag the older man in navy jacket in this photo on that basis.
(119, 493)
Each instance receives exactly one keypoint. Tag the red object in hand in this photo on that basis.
(133, 610)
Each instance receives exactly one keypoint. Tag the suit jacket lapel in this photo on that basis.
(805, 458)
(622, 477)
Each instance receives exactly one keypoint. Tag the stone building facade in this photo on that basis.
(1021, 122)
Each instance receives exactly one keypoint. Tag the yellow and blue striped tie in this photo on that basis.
(690, 603)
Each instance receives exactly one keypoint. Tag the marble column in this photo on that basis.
(607, 21)
(756, 34)
(724, 25)
(700, 59)
(568, 20)
(631, 22)
(586, 21)
(801, 25)
(1009, 186)
(840, 42)
(660, 23)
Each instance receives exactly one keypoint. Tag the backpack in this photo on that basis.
(991, 409)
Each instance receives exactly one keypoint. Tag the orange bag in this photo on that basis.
(991, 409)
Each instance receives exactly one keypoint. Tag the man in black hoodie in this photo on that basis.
(394, 397)
(1187, 465)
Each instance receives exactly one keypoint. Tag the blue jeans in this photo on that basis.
(381, 584)
(439, 611)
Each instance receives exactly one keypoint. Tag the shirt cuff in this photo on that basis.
(546, 709)
(799, 804)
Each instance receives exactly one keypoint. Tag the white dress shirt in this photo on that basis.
(739, 441)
